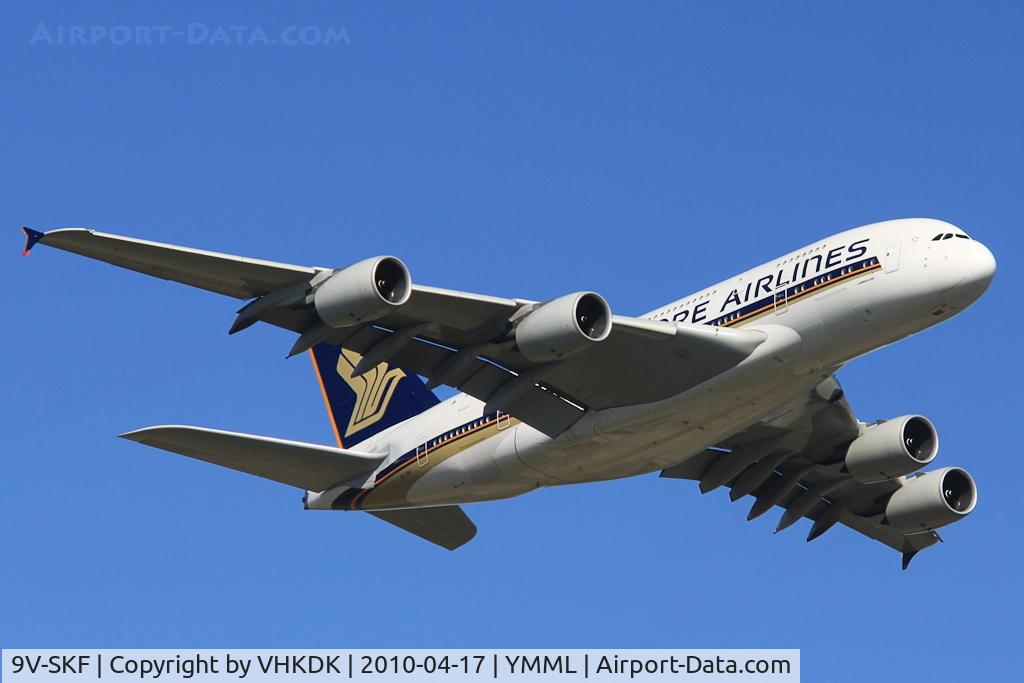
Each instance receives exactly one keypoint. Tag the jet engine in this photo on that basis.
(564, 326)
(892, 449)
(363, 291)
(932, 500)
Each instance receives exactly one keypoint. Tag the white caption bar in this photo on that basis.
(224, 666)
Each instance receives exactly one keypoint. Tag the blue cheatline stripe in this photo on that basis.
(798, 291)
(351, 499)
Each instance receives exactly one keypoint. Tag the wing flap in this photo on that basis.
(666, 365)
(641, 362)
(307, 466)
(694, 467)
(535, 404)
(446, 526)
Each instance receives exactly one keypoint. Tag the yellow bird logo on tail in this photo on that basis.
(373, 389)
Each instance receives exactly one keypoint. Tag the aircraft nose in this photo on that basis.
(980, 267)
(977, 267)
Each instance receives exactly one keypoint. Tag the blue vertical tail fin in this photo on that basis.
(360, 407)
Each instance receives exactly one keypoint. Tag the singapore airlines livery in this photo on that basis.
(732, 386)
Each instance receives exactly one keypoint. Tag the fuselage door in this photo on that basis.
(781, 302)
(423, 450)
(891, 260)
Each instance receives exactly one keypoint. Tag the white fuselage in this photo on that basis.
(821, 306)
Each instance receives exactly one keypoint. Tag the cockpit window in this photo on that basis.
(949, 236)
(962, 236)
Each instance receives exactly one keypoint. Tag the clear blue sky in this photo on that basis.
(523, 149)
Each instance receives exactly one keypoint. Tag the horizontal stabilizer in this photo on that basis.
(446, 526)
(306, 465)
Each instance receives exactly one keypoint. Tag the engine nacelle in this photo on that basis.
(564, 326)
(891, 449)
(362, 292)
(932, 500)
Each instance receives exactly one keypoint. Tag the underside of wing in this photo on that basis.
(532, 360)
(800, 463)
(635, 367)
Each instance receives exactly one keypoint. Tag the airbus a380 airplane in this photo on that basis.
(732, 386)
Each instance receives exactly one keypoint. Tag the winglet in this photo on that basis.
(908, 555)
(31, 238)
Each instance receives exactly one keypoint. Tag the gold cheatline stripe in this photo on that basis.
(809, 290)
(361, 496)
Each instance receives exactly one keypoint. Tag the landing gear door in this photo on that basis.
(891, 259)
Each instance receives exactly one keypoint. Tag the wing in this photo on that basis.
(456, 338)
(242, 278)
(308, 466)
(791, 462)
